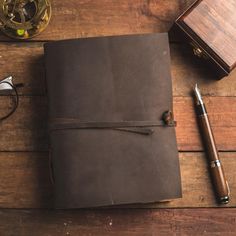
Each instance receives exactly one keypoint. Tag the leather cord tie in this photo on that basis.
(140, 127)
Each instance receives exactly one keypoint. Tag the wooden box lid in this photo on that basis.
(211, 27)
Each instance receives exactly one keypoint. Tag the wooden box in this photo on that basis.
(210, 27)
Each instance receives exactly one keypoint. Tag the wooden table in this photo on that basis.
(25, 189)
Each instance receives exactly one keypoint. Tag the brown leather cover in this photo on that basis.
(104, 94)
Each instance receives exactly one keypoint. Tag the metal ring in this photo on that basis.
(224, 200)
(215, 163)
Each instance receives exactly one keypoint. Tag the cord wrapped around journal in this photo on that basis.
(110, 143)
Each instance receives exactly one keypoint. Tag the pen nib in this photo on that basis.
(198, 94)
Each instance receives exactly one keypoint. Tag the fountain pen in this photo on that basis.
(215, 166)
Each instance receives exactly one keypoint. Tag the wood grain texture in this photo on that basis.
(25, 62)
(86, 18)
(187, 70)
(27, 130)
(123, 222)
(24, 176)
(25, 181)
(215, 24)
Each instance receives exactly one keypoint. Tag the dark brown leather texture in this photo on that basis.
(94, 84)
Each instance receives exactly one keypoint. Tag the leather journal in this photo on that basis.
(110, 143)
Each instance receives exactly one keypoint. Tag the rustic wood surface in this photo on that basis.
(24, 169)
(25, 181)
(89, 18)
(25, 62)
(184, 222)
(26, 130)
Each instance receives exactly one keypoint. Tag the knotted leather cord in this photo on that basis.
(16, 101)
(140, 127)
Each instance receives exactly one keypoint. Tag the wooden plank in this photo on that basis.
(187, 70)
(25, 62)
(26, 130)
(75, 19)
(25, 182)
(192, 222)
(221, 110)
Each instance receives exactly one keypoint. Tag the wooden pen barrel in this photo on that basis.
(215, 166)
